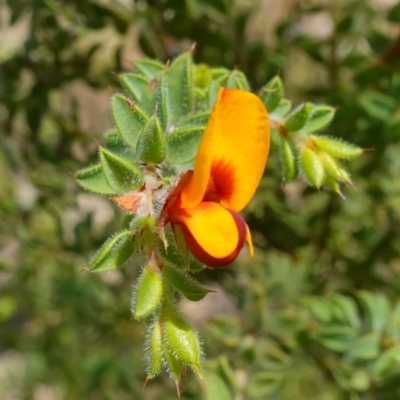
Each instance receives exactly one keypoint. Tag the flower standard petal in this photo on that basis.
(232, 153)
(214, 234)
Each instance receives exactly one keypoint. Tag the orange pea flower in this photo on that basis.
(203, 208)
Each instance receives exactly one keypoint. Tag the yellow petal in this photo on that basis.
(232, 153)
(213, 234)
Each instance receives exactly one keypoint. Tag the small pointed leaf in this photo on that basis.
(183, 143)
(179, 88)
(283, 108)
(320, 117)
(271, 94)
(151, 146)
(237, 80)
(129, 118)
(149, 68)
(114, 252)
(122, 175)
(93, 179)
(181, 281)
(298, 118)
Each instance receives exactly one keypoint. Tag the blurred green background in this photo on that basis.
(316, 314)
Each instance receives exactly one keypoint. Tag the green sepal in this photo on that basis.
(283, 108)
(336, 148)
(237, 80)
(129, 118)
(122, 175)
(180, 93)
(93, 179)
(298, 117)
(183, 143)
(154, 356)
(289, 158)
(149, 68)
(151, 146)
(148, 293)
(271, 94)
(312, 167)
(181, 281)
(366, 347)
(113, 253)
(320, 117)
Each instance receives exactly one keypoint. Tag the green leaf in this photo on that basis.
(93, 179)
(283, 108)
(289, 160)
(344, 310)
(197, 119)
(336, 338)
(129, 119)
(151, 147)
(320, 308)
(143, 91)
(149, 68)
(335, 147)
(394, 13)
(114, 252)
(320, 117)
(216, 387)
(394, 322)
(271, 94)
(135, 83)
(116, 145)
(237, 80)
(387, 363)
(180, 93)
(220, 75)
(148, 293)
(366, 347)
(122, 175)
(298, 117)
(377, 105)
(182, 144)
(312, 167)
(213, 93)
(377, 308)
(181, 281)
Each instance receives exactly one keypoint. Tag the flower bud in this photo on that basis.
(148, 294)
(336, 148)
(312, 166)
(155, 352)
(182, 340)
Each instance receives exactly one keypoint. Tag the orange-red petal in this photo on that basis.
(214, 234)
(232, 153)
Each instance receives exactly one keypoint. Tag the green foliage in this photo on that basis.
(315, 314)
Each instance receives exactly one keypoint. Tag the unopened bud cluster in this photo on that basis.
(318, 158)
